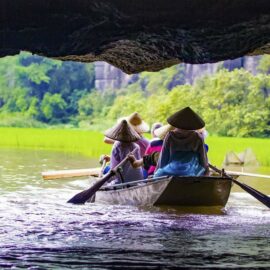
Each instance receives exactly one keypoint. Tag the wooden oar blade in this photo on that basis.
(50, 175)
(85, 195)
(81, 197)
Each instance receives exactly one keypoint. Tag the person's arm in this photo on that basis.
(164, 156)
(203, 156)
(134, 162)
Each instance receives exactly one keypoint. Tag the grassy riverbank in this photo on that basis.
(90, 143)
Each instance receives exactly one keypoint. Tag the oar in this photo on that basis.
(70, 173)
(248, 174)
(50, 175)
(85, 195)
(253, 192)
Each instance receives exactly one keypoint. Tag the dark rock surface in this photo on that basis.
(136, 35)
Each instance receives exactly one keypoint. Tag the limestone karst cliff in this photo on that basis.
(110, 77)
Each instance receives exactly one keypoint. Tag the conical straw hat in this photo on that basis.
(162, 131)
(122, 132)
(136, 122)
(186, 119)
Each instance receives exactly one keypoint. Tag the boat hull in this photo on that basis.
(171, 191)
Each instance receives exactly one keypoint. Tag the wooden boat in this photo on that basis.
(169, 191)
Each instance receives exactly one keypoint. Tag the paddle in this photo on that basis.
(253, 192)
(85, 195)
(248, 174)
(50, 175)
(70, 173)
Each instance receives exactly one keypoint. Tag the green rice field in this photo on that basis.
(90, 143)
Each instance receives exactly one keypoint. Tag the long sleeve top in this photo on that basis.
(183, 153)
(119, 151)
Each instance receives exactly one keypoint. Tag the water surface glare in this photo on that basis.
(39, 230)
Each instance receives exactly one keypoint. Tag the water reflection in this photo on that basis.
(39, 230)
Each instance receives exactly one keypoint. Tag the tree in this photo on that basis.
(53, 107)
(264, 64)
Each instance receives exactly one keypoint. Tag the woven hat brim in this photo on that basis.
(121, 138)
(162, 131)
(141, 128)
(186, 119)
(122, 132)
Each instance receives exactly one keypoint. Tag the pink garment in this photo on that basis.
(119, 151)
(143, 144)
(155, 146)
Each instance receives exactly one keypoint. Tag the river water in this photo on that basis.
(39, 230)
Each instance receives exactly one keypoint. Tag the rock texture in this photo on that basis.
(136, 35)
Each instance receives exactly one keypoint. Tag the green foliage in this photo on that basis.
(126, 104)
(264, 64)
(53, 107)
(234, 103)
(96, 104)
(43, 89)
(151, 83)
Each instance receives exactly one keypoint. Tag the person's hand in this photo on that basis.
(131, 158)
(135, 163)
(104, 157)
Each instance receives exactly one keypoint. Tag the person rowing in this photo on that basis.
(125, 138)
(140, 126)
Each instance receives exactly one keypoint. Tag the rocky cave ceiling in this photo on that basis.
(136, 35)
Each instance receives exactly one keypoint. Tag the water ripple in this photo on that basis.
(39, 230)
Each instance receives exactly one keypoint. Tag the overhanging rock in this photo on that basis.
(136, 35)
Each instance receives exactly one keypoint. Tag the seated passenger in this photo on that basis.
(156, 144)
(154, 127)
(125, 138)
(183, 151)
